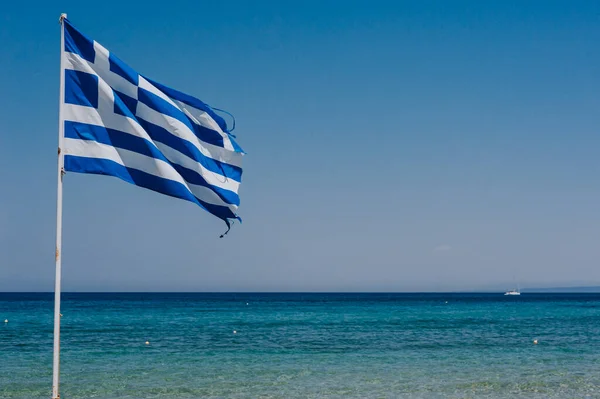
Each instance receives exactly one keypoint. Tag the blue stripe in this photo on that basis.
(78, 43)
(162, 135)
(159, 105)
(193, 177)
(118, 139)
(203, 133)
(189, 100)
(142, 179)
(124, 105)
(81, 88)
(122, 69)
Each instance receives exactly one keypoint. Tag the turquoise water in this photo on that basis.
(303, 346)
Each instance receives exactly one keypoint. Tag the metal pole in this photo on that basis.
(59, 205)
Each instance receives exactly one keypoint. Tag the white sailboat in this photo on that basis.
(513, 292)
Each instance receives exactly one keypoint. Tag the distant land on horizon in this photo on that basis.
(591, 289)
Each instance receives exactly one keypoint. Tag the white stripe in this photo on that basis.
(131, 159)
(180, 130)
(144, 84)
(198, 116)
(110, 120)
(91, 116)
(204, 119)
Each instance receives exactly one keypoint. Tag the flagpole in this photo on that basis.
(59, 205)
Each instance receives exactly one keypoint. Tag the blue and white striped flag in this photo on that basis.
(123, 124)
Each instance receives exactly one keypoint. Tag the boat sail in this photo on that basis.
(513, 292)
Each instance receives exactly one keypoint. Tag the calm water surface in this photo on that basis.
(303, 346)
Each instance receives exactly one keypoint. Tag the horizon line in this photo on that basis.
(560, 290)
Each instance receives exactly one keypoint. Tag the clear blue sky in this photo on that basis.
(423, 145)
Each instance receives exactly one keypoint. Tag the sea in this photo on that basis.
(199, 345)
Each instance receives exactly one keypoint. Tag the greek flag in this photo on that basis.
(119, 123)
